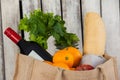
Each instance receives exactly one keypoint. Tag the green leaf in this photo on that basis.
(56, 36)
(42, 41)
(58, 29)
(42, 25)
(23, 24)
(32, 37)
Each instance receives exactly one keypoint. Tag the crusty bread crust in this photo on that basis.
(94, 34)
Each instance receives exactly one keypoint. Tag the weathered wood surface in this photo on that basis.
(72, 17)
(1, 59)
(72, 11)
(52, 6)
(111, 17)
(1, 52)
(90, 6)
(28, 6)
(10, 17)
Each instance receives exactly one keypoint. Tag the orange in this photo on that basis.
(77, 55)
(63, 56)
(48, 62)
(61, 65)
(72, 68)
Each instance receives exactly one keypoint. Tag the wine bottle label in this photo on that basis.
(35, 55)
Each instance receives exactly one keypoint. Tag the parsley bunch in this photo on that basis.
(42, 25)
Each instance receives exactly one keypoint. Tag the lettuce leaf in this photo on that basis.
(42, 25)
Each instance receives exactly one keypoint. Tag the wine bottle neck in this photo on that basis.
(12, 35)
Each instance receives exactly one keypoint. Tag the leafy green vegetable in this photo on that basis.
(43, 25)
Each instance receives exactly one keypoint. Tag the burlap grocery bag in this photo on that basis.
(28, 68)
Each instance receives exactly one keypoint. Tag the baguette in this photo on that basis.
(94, 34)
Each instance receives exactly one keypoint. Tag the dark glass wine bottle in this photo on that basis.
(28, 47)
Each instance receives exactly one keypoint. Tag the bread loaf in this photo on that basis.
(94, 34)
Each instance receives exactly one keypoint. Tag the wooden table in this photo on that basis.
(72, 11)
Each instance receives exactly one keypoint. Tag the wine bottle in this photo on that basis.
(28, 47)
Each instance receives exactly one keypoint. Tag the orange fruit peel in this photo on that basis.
(77, 55)
(63, 56)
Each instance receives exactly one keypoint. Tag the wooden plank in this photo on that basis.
(1, 64)
(52, 6)
(27, 7)
(1, 52)
(1, 58)
(10, 17)
(90, 6)
(111, 17)
(72, 16)
(30, 5)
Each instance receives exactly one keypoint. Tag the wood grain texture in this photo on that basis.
(10, 17)
(1, 60)
(111, 17)
(30, 5)
(72, 16)
(1, 52)
(90, 6)
(52, 6)
(27, 7)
